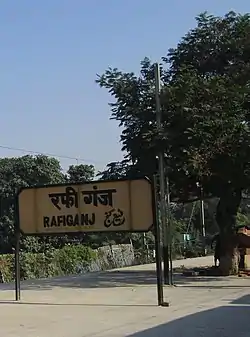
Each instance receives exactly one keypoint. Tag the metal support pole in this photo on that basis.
(17, 251)
(158, 256)
(162, 179)
(202, 220)
(158, 247)
(17, 266)
(145, 246)
(169, 232)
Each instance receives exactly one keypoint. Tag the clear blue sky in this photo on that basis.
(50, 53)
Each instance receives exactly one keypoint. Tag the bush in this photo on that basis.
(73, 259)
(6, 268)
(59, 262)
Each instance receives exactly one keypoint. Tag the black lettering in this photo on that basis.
(60, 220)
(53, 222)
(90, 197)
(46, 222)
(114, 218)
(55, 199)
(82, 219)
(86, 221)
(70, 220)
(104, 197)
(70, 197)
(76, 220)
(92, 220)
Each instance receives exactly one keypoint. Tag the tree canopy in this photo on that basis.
(80, 173)
(205, 112)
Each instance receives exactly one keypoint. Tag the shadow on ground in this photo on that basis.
(122, 278)
(225, 321)
(244, 300)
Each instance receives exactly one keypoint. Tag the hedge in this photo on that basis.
(71, 259)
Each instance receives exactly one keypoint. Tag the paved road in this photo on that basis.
(123, 303)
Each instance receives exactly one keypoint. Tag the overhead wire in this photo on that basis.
(77, 159)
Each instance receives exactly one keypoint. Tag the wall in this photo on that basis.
(116, 256)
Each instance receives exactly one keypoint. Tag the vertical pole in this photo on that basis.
(17, 266)
(158, 256)
(145, 246)
(169, 233)
(17, 251)
(162, 178)
(202, 220)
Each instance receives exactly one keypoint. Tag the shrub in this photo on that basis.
(73, 259)
(68, 260)
(6, 268)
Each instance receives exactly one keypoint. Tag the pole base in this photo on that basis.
(165, 304)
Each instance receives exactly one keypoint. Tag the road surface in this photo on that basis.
(123, 303)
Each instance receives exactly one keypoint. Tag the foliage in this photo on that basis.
(114, 170)
(71, 259)
(16, 173)
(6, 268)
(205, 113)
(242, 220)
(68, 260)
(80, 173)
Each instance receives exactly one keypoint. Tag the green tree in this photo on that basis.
(205, 107)
(16, 173)
(120, 170)
(80, 173)
(114, 170)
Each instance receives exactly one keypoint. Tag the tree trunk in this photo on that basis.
(229, 255)
(226, 213)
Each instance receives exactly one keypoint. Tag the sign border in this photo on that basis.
(86, 183)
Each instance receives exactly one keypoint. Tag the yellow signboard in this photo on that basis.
(103, 206)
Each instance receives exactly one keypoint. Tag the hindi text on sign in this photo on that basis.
(70, 197)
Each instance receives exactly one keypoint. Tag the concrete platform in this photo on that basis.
(123, 303)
